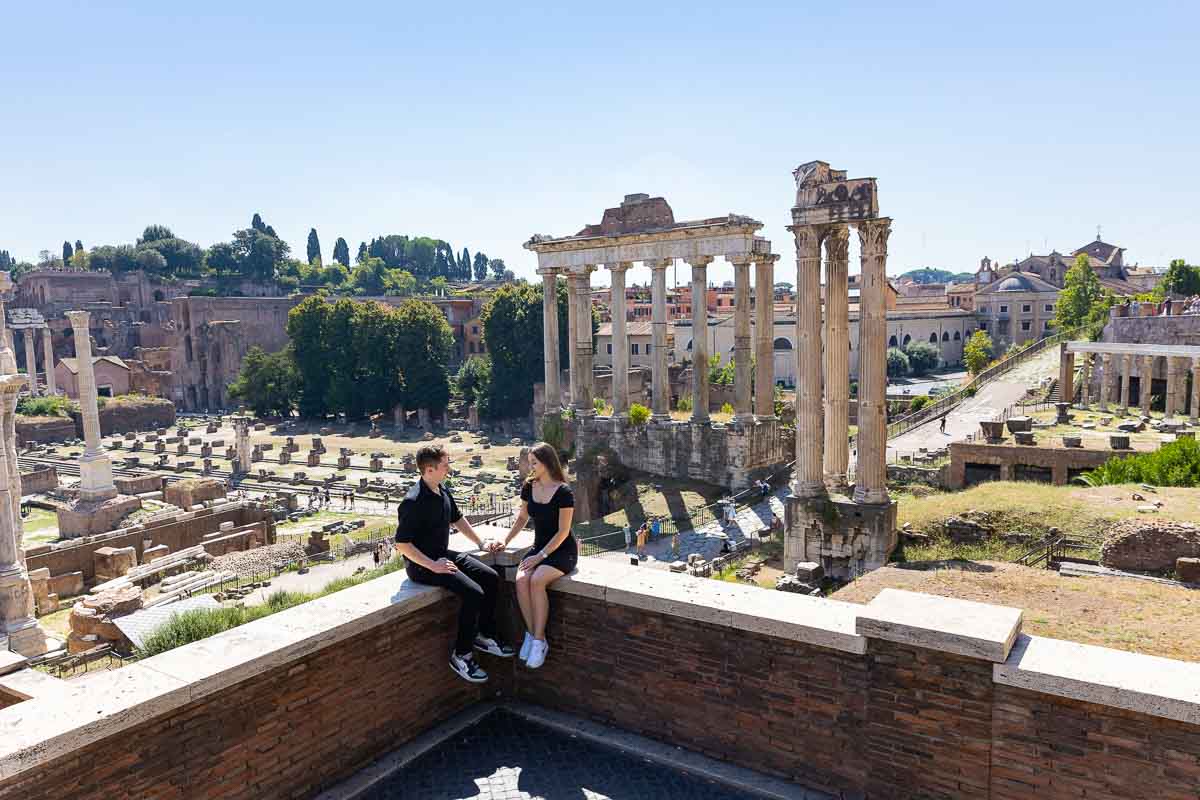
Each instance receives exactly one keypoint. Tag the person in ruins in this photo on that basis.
(423, 538)
(548, 500)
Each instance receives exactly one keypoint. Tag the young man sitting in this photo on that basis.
(423, 538)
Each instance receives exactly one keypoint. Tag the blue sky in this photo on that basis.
(993, 129)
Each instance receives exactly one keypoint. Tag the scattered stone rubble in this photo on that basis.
(259, 560)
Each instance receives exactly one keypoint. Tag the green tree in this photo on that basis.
(268, 382)
(153, 233)
(81, 260)
(306, 330)
(256, 223)
(362, 252)
(923, 357)
(222, 259)
(259, 254)
(116, 260)
(151, 262)
(497, 266)
(399, 282)
(341, 252)
(977, 353)
(181, 256)
(78, 245)
(1181, 279)
(424, 345)
(1080, 294)
(314, 247)
(510, 320)
(897, 363)
(481, 267)
(473, 378)
(68, 251)
(464, 266)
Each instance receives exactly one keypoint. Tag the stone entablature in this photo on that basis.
(1109, 369)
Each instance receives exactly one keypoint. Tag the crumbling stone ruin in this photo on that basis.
(1149, 545)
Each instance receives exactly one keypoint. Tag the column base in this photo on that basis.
(96, 478)
(807, 489)
(837, 483)
(872, 497)
(745, 418)
(846, 538)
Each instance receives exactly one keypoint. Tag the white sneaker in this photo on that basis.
(467, 669)
(526, 646)
(537, 653)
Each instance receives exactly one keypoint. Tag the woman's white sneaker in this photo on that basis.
(537, 653)
(526, 646)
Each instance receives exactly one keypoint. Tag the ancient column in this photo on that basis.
(1145, 381)
(700, 337)
(1126, 362)
(1172, 387)
(48, 358)
(8, 356)
(19, 629)
(583, 344)
(241, 427)
(30, 360)
(572, 336)
(1066, 373)
(1194, 412)
(661, 385)
(553, 392)
(95, 467)
(871, 477)
(620, 340)
(837, 357)
(1106, 367)
(764, 335)
(743, 412)
(8, 450)
(808, 479)
(1085, 381)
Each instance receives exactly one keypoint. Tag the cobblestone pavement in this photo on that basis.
(505, 757)
(752, 522)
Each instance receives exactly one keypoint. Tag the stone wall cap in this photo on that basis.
(962, 627)
(1160, 687)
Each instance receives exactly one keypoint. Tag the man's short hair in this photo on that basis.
(430, 455)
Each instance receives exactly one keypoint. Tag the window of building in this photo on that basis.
(782, 344)
(1026, 308)
(956, 337)
(983, 309)
(474, 330)
(933, 338)
(907, 339)
(983, 326)
(1025, 325)
(610, 348)
(1049, 307)
(1047, 325)
(1003, 309)
(892, 342)
(635, 348)
(470, 347)
(945, 336)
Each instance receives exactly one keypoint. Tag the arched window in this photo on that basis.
(945, 336)
(689, 347)
(782, 344)
(907, 339)
(956, 337)
(892, 342)
(933, 338)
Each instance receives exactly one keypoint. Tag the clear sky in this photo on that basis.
(994, 129)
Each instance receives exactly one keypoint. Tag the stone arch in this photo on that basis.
(782, 344)
(933, 338)
(892, 342)
(956, 336)
(907, 339)
(945, 336)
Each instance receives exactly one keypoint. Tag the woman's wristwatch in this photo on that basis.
(542, 554)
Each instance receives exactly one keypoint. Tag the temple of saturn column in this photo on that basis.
(19, 630)
(643, 229)
(1121, 363)
(846, 530)
(29, 322)
(99, 507)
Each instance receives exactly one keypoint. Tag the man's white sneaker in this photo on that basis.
(486, 644)
(526, 646)
(537, 653)
(467, 669)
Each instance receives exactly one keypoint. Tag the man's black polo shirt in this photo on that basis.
(425, 517)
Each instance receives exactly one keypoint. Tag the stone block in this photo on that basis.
(1118, 441)
(258, 426)
(1020, 424)
(285, 456)
(195, 440)
(1024, 437)
(206, 451)
(113, 562)
(376, 464)
(1186, 570)
(160, 446)
(181, 449)
(187, 493)
(218, 443)
(86, 518)
(139, 484)
(1072, 441)
(809, 572)
(343, 462)
(314, 458)
(156, 552)
(136, 445)
(67, 584)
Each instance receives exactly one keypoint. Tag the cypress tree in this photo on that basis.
(314, 247)
(341, 252)
(67, 252)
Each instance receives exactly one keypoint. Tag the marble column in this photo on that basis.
(808, 480)
(19, 630)
(1085, 381)
(1126, 363)
(48, 359)
(552, 391)
(764, 335)
(8, 355)
(700, 337)
(1145, 381)
(620, 340)
(95, 467)
(241, 427)
(837, 357)
(8, 366)
(1172, 387)
(1194, 411)
(572, 336)
(743, 411)
(871, 477)
(1066, 373)
(30, 360)
(660, 380)
(1106, 367)
(584, 347)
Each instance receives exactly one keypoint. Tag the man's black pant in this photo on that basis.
(475, 583)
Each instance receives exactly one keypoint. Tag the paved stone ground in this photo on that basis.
(991, 400)
(752, 522)
(505, 757)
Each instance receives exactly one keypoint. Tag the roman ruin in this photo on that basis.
(846, 534)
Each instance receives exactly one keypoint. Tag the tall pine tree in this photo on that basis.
(341, 252)
(314, 247)
(67, 252)
(257, 223)
(362, 251)
(78, 246)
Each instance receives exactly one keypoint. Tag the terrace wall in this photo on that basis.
(908, 696)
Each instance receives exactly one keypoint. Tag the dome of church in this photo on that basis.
(1014, 283)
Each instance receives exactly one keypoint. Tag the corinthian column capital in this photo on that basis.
(837, 243)
(699, 261)
(808, 240)
(79, 319)
(873, 235)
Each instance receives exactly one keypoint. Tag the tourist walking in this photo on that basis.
(942, 425)
(423, 538)
(548, 500)
(628, 536)
(642, 533)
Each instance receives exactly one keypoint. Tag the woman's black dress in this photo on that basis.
(545, 526)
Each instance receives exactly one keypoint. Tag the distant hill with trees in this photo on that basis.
(934, 275)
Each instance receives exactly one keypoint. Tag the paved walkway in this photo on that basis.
(752, 522)
(312, 581)
(990, 401)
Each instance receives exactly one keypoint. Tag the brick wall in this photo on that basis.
(288, 732)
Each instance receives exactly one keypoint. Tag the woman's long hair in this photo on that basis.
(546, 454)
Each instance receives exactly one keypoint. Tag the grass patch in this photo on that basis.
(192, 626)
(942, 549)
(46, 406)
